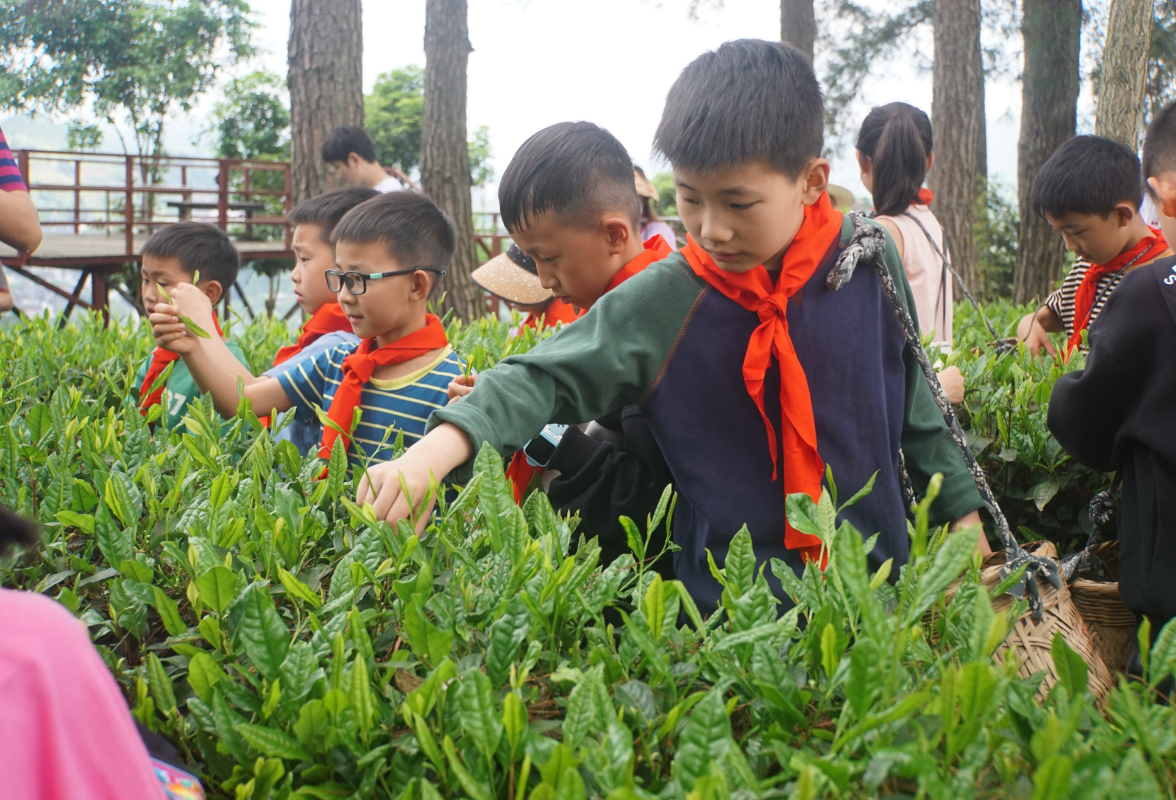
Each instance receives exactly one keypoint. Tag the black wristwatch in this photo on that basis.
(540, 449)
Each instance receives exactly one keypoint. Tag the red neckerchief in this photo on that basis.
(555, 312)
(655, 250)
(925, 197)
(328, 319)
(160, 358)
(753, 290)
(359, 366)
(1147, 249)
(521, 473)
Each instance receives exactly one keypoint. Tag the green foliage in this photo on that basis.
(294, 647)
(393, 115)
(1042, 491)
(252, 120)
(133, 61)
(667, 195)
(995, 231)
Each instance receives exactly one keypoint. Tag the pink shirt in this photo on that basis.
(65, 731)
(931, 284)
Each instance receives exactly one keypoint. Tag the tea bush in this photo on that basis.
(1041, 490)
(294, 647)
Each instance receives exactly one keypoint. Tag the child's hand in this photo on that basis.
(169, 332)
(1031, 330)
(952, 381)
(192, 302)
(969, 521)
(460, 386)
(442, 449)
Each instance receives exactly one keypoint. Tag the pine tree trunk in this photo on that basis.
(1052, 32)
(1124, 71)
(445, 160)
(958, 120)
(325, 77)
(798, 25)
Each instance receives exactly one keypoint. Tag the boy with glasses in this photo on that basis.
(389, 252)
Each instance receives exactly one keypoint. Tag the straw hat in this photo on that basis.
(644, 187)
(841, 198)
(512, 276)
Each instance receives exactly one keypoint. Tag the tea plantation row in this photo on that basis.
(294, 647)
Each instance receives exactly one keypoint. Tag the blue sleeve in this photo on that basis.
(324, 342)
(305, 381)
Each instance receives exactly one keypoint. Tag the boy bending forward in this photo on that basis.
(752, 375)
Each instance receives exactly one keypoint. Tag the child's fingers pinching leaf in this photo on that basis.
(188, 323)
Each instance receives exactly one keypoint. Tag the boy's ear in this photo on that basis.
(212, 290)
(619, 230)
(1125, 212)
(422, 284)
(815, 180)
(1165, 188)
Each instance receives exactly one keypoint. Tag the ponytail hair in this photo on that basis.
(896, 138)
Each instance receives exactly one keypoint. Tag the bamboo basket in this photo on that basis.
(1031, 640)
(1111, 625)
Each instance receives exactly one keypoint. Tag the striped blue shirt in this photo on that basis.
(389, 406)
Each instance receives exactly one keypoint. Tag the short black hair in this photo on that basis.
(16, 530)
(1087, 175)
(1159, 145)
(750, 100)
(327, 209)
(575, 169)
(198, 246)
(410, 226)
(344, 141)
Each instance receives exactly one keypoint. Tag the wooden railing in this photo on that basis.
(125, 195)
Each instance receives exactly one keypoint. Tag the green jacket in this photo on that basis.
(666, 341)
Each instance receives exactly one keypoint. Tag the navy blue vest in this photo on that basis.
(851, 346)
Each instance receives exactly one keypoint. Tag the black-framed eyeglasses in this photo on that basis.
(357, 281)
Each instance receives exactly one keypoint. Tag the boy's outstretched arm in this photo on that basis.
(437, 454)
(212, 365)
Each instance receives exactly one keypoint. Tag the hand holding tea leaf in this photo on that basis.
(188, 322)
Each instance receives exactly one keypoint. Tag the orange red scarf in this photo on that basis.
(1148, 248)
(521, 473)
(555, 312)
(359, 366)
(328, 319)
(753, 290)
(655, 250)
(160, 358)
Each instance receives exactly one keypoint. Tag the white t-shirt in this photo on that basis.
(389, 184)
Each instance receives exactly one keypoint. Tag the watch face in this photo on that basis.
(539, 450)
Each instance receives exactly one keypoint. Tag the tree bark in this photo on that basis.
(958, 122)
(325, 78)
(798, 25)
(445, 159)
(1124, 71)
(1052, 32)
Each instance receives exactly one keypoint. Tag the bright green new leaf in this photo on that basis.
(169, 612)
(217, 587)
(203, 674)
(271, 742)
(262, 632)
(298, 589)
(1070, 667)
(1051, 781)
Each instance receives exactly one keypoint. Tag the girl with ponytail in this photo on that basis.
(894, 152)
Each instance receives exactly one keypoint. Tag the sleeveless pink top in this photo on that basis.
(930, 282)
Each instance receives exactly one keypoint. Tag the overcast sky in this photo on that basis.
(538, 62)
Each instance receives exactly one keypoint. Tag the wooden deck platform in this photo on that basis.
(83, 249)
